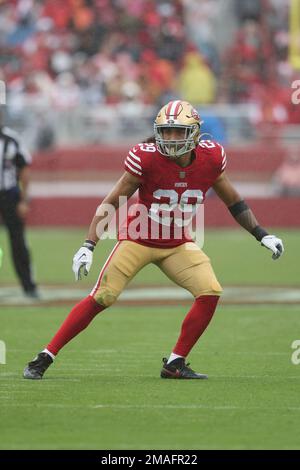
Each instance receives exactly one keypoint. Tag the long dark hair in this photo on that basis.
(149, 140)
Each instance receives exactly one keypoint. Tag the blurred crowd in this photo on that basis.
(71, 52)
(92, 51)
(256, 66)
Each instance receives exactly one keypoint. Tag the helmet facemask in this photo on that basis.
(176, 148)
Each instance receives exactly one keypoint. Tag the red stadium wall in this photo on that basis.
(252, 163)
(76, 211)
(259, 159)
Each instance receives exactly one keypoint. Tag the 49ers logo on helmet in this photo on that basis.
(195, 115)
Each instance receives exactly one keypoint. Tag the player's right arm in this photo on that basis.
(126, 187)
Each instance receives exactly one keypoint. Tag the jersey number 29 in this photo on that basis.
(188, 210)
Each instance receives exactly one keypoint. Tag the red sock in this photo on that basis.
(195, 323)
(77, 320)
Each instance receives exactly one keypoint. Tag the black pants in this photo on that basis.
(15, 226)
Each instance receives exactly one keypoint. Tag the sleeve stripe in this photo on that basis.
(128, 159)
(19, 147)
(224, 166)
(222, 149)
(132, 169)
(10, 133)
(224, 160)
(135, 156)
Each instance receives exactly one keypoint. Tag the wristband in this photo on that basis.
(90, 244)
(259, 233)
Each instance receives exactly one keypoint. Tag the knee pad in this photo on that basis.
(105, 297)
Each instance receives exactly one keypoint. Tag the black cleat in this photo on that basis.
(36, 368)
(178, 369)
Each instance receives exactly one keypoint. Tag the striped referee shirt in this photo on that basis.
(13, 157)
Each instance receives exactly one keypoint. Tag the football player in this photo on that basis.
(175, 171)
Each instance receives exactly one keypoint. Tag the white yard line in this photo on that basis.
(152, 407)
(243, 295)
(195, 407)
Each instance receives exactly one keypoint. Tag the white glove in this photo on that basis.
(82, 259)
(274, 244)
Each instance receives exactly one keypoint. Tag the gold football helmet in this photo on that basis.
(181, 115)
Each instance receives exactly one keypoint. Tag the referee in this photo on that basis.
(14, 203)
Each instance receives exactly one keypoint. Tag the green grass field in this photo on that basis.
(104, 390)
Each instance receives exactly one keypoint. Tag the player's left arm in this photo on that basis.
(244, 215)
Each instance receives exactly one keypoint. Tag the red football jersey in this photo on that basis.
(169, 195)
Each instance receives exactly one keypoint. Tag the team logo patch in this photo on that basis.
(181, 185)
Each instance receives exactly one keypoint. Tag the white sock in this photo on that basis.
(172, 357)
(49, 354)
